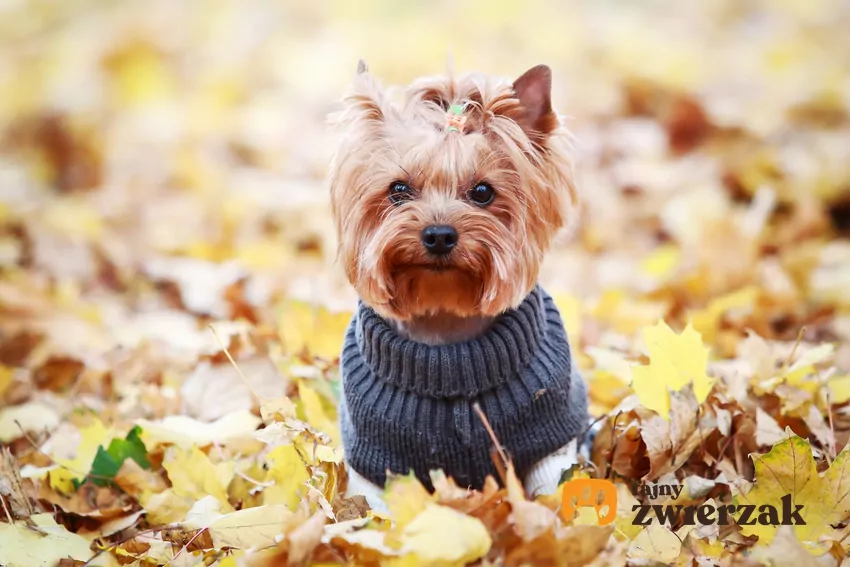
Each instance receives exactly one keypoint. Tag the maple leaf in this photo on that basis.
(787, 475)
(287, 474)
(675, 361)
(193, 475)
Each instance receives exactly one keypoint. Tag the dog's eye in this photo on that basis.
(400, 192)
(482, 194)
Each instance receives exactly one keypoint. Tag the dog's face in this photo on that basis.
(433, 218)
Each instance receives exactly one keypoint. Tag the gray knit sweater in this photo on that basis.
(408, 406)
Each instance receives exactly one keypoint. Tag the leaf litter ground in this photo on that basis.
(171, 313)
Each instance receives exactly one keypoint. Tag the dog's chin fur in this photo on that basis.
(512, 140)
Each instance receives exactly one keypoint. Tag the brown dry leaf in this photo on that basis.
(530, 519)
(12, 487)
(113, 526)
(103, 503)
(138, 482)
(346, 509)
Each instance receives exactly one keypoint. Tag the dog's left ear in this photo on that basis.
(534, 91)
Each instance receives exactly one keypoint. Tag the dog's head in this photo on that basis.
(448, 201)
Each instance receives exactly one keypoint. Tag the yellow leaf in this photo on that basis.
(608, 382)
(21, 546)
(406, 498)
(839, 389)
(166, 507)
(675, 361)
(624, 521)
(656, 543)
(329, 454)
(442, 537)
(92, 436)
(261, 254)
(139, 75)
(186, 432)
(251, 528)
(570, 307)
(625, 314)
(314, 412)
(193, 475)
(788, 472)
(805, 364)
(312, 327)
(6, 376)
(662, 261)
(62, 479)
(706, 321)
(277, 409)
(248, 528)
(288, 473)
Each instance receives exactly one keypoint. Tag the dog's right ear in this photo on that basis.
(365, 99)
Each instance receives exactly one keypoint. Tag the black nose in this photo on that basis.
(439, 239)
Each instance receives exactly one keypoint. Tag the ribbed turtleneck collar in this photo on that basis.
(459, 369)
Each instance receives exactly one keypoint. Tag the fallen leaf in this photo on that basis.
(441, 536)
(785, 549)
(12, 487)
(107, 462)
(251, 528)
(305, 326)
(788, 471)
(286, 475)
(656, 543)
(91, 437)
(186, 432)
(138, 482)
(42, 546)
(193, 475)
(675, 361)
(315, 413)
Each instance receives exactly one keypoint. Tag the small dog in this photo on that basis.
(445, 205)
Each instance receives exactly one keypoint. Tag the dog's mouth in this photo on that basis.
(437, 267)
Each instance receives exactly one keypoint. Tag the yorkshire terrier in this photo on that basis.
(445, 204)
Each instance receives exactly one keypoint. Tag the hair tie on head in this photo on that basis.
(455, 118)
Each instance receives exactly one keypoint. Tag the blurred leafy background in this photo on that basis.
(162, 166)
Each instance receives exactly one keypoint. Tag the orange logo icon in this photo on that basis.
(596, 493)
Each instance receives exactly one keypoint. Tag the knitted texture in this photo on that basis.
(409, 406)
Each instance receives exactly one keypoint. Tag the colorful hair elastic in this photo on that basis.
(455, 118)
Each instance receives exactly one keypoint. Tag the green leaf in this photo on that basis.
(107, 462)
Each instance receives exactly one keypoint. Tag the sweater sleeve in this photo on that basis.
(544, 476)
